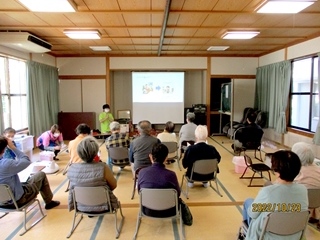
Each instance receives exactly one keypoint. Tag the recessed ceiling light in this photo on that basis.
(85, 34)
(217, 48)
(49, 5)
(240, 34)
(284, 6)
(101, 48)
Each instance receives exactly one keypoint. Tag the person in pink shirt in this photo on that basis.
(51, 140)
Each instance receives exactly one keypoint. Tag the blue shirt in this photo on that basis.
(8, 153)
(278, 196)
(9, 169)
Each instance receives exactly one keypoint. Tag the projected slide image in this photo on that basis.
(158, 87)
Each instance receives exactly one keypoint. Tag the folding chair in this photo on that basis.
(285, 223)
(183, 148)
(251, 141)
(256, 168)
(159, 200)
(207, 168)
(119, 156)
(280, 223)
(94, 196)
(314, 198)
(172, 147)
(8, 204)
(136, 174)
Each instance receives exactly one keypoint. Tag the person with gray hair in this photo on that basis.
(169, 136)
(91, 174)
(186, 132)
(116, 139)
(141, 146)
(199, 151)
(309, 174)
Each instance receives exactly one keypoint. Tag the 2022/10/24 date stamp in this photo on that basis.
(276, 207)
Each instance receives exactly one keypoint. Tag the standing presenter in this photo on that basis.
(105, 118)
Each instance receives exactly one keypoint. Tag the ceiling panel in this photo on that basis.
(135, 27)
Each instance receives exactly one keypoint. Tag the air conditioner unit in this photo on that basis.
(25, 42)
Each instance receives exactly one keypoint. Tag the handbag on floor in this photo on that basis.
(185, 213)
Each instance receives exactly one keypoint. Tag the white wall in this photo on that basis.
(274, 57)
(309, 47)
(36, 57)
(44, 58)
(243, 96)
(82, 66)
(156, 63)
(82, 95)
(233, 66)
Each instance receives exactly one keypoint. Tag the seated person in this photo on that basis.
(91, 174)
(199, 151)
(23, 192)
(9, 134)
(186, 132)
(51, 140)
(82, 130)
(249, 136)
(141, 146)
(309, 174)
(284, 191)
(157, 176)
(105, 118)
(116, 139)
(168, 135)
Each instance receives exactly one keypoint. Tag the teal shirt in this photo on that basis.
(278, 195)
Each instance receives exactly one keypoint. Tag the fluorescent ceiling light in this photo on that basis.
(100, 48)
(217, 48)
(49, 5)
(240, 34)
(284, 6)
(86, 34)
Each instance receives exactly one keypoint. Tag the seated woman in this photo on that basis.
(309, 174)
(91, 174)
(168, 135)
(51, 140)
(157, 176)
(284, 192)
(82, 131)
(199, 151)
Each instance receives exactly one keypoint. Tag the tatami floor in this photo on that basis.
(214, 217)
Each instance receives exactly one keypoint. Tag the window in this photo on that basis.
(13, 90)
(304, 100)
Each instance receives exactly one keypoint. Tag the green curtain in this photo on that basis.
(43, 97)
(316, 136)
(272, 91)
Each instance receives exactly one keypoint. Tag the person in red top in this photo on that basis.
(51, 140)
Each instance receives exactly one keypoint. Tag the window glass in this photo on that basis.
(300, 111)
(301, 75)
(13, 93)
(304, 95)
(17, 76)
(2, 76)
